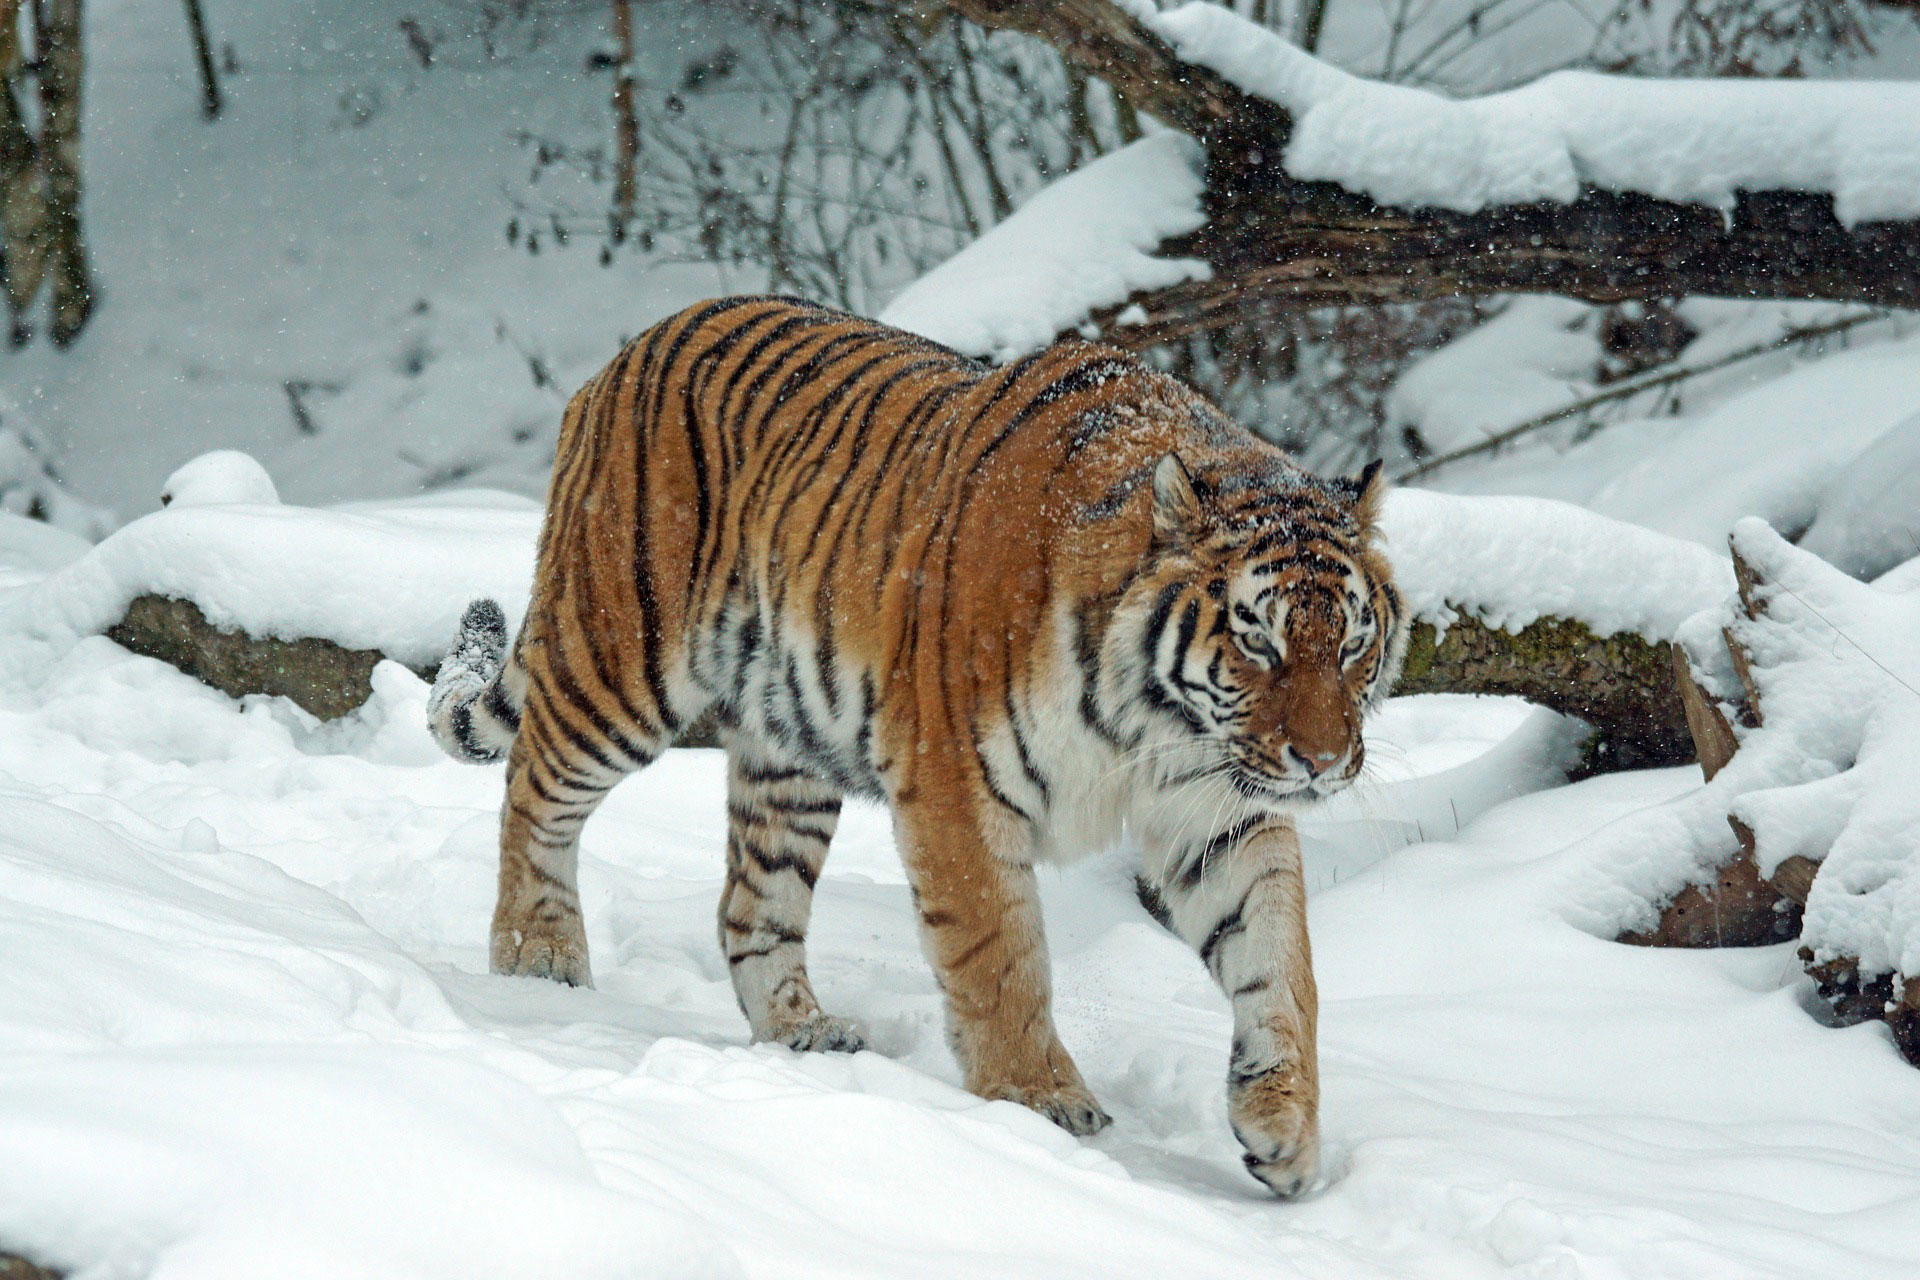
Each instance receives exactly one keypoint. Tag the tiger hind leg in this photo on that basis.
(564, 761)
(981, 928)
(779, 822)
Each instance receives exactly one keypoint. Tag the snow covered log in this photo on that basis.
(1806, 699)
(1547, 601)
(1322, 188)
(326, 679)
(1519, 596)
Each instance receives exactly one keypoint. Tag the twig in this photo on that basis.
(1634, 386)
(203, 58)
(297, 389)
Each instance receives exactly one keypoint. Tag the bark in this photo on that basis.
(1617, 684)
(1622, 684)
(1854, 999)
(1741, 908)
(1272, 238)
(1102, 40)
(327, 679)
(15, 1267)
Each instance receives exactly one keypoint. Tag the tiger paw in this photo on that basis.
(559, 956)
(818, 1033)
(1279, 1130)
(1072, 1107)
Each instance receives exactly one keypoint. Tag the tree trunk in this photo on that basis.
(1273, 237)
(22, 191)
(15, 1267)
(62, 61)
(626, 125)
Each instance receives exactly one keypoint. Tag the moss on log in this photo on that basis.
(1620, 684)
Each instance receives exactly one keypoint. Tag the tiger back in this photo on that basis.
(1031, 607)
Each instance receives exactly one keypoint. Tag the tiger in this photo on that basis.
(1038, 609)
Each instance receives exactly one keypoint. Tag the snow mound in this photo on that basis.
(222, 477)
(391, 576)
(138, 1140)
(1509, 561)
(1869, 512)
(1079, 244)
(1692, 141)
(247, 964)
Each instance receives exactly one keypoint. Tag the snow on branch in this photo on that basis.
(1698, 142)
(1083, 243)
(1324, 188)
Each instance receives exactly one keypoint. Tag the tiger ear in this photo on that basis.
(1366, 491)
(1176, 507)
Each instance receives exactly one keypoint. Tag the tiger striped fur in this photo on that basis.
(1030, 607)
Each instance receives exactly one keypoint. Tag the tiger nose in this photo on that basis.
(1317, 763)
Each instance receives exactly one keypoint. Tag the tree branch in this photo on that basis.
(1103, 40)
(1271, 237)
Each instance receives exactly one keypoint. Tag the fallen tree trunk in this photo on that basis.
(325, 679)
(1741, 908)
(1619, 684)
(1271, 237)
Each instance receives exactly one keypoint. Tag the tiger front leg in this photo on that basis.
(981, 929)
(1241, 902)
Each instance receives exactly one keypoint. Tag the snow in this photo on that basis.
(340, 230)
(1771, 451)
(1691, 141)
(248, 1030)
(1084, 242)
(223, 477)
(1512, 560)
(1534, 357)
(1811, 442)
(391, 576)
(1868, 517)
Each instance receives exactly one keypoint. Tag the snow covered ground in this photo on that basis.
(248, 1031)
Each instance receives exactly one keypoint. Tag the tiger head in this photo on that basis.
(1267, 626)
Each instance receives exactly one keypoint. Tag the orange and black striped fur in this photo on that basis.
(1030, 607)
